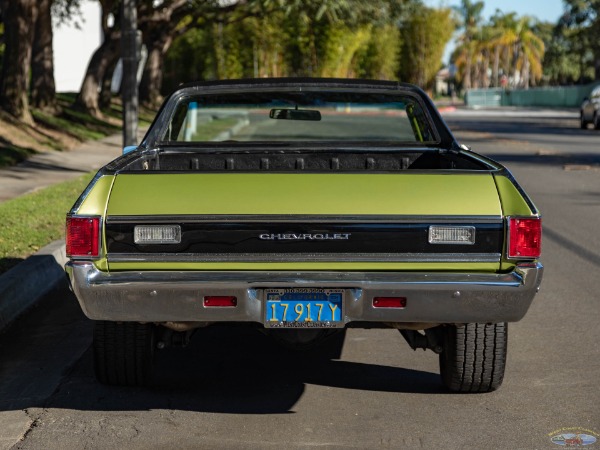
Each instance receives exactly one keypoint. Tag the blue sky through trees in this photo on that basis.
(544, 10)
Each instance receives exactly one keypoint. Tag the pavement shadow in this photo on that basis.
(237, 371)
(587, 254)
(36, 165)
(8, 263)
(583, 159)
(538, 125)
(231, 370)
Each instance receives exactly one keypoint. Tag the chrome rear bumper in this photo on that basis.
(178, 296)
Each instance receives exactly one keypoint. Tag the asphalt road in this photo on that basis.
(233, 388)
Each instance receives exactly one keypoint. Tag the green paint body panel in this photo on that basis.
(308, 266)
(305, 194)
(473, 194)
(96, 201)
(512, 201)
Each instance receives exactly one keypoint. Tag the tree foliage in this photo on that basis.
(210, 39)
(311, 38)
(507, 46)
(469, 14)
(580, 29)
(424, 37)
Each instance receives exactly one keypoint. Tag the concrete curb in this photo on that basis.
(23, 285)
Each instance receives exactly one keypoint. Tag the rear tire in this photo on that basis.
(582, 122)
(123, 353)
(474, 357)
(596, 121)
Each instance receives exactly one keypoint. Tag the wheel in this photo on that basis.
(596, 121)
(473, 357)
(582, 122)
(123, 353)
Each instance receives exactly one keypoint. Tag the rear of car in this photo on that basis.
(303, 207)
(589, 111)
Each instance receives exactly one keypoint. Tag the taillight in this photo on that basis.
(83, 237)
(525, 238)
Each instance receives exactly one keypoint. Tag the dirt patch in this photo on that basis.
(37, 137)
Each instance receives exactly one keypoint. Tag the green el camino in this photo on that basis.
(302, 207)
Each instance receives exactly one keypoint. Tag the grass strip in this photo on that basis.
(76, 124)
(210, 130)
(34, 220)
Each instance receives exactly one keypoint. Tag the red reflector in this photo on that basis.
(83, 236)
(215, 300)
(389, 302)
(525, 238)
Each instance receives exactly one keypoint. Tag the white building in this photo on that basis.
(74, 47)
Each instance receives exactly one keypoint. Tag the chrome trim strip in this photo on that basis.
(302, 219)
(494, 166)
(433, 297)
(303, 257)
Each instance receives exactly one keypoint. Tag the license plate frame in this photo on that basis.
(307, 307)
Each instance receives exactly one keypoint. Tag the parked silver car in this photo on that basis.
(589, 111)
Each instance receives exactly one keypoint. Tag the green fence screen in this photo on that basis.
(553, 97)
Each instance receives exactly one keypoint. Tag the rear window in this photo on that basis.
(318, 116)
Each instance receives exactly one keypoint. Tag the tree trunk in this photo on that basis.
(103, 58)
(525, 72)
(43, 88)
(18, 36)
(158, 33)
(157, 45)
(105, 96)
(485, 80)
(475, 72)
(496, 67)
(468, 66)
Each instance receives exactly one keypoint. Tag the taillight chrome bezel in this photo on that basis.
(508, 253)
(89, 256)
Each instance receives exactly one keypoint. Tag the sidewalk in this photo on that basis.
(46, 169)
(511, 111)
(23, 285)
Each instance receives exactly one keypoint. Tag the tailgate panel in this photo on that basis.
(305, 194)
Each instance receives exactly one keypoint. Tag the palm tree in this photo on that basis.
(486, 46)
(530, 53)
(517, 47)
(470, 13)
(504, 36)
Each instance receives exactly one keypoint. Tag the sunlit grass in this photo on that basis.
(210, 130)
(34, 220)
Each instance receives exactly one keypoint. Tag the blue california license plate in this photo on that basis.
(304, 308)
